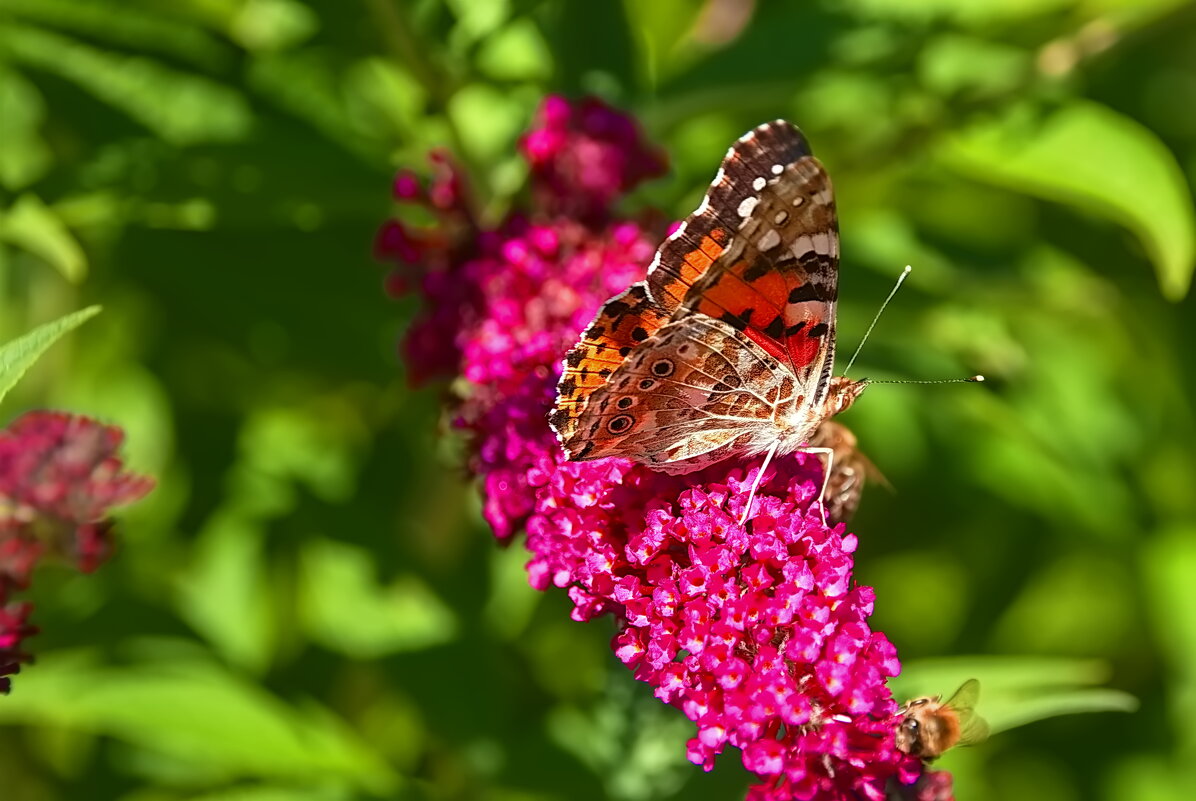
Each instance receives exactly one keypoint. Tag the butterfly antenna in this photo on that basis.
(747, 510)
(975, 379)
(880, 311)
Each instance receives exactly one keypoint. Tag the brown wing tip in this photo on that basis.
(782, 136)
(564, 424)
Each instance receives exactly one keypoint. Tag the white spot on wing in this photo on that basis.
(777, 169)
(770, 239)
(802, 245)
(746, 206)
(759, 183)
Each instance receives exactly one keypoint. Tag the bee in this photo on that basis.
(849, 468)
(930, 726)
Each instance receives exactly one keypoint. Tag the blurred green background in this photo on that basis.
(309, 607)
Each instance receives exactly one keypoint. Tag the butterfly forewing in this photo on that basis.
(685, 256)
(777, 280)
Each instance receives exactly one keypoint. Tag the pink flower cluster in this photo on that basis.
(59, 475)
(756, 633)
(584, 156)
(500, 307)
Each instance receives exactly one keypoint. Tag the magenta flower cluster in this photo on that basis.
(755, 632)
(59, 475)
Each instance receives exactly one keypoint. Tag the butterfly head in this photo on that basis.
(842, 393)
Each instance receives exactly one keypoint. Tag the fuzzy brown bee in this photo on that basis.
(849, 468)
(930, 726)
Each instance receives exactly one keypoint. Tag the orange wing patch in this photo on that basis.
(669, 282)
(623, 322)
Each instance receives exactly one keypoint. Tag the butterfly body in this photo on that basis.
(727, 348)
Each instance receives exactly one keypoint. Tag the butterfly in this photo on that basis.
(727, 347)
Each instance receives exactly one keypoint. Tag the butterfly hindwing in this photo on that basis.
(688, 395)
(624, 322)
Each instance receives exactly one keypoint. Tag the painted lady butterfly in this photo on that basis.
(726, 349)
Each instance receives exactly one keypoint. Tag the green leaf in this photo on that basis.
(664, 32)
(1009, 713)
(306, 83)
(179, 107)
(1168, 564)
(19, 355)
(271, 792)
(32, 225)
(477, 19)
(345, 609)
(224, 594)
(1090, 156)
(942, 676)
(133, 28)
(518, 52)
(263, 25)
(1016, 690)
(25, 157)
(981, 13)
(199, 714)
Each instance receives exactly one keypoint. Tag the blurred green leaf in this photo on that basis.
(489, 119)
(512, 599)
(1010, 713)
(133, 27)
(385, 97)
(25, 156)
(516, 53)
(345, 608)
(476, 19)
(32, 225)
(953, 64)
(995, 673)
(628, 742)
(179, 107)
(313, 444)
(1016, 690)
(224, 594)
(307, 84)
(20, 354)
(975, 12)
(663, 28)
(1093, 157)
(992, 13)
(265, 25)
(264, 792)
(1169, 563)
(201, 714)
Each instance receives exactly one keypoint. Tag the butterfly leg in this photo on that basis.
(829, 453)
(747, 510)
